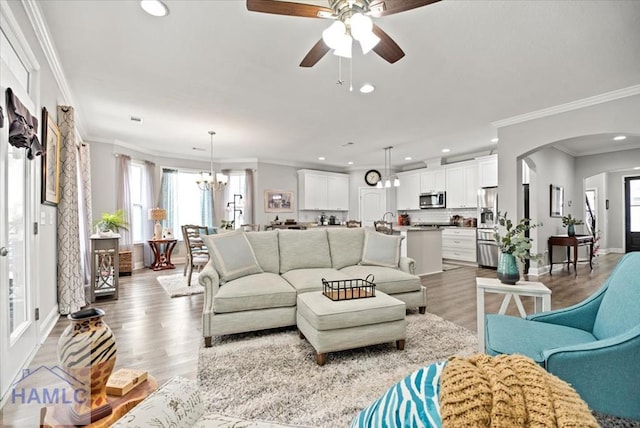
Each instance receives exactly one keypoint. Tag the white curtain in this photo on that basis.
(84, 189)
(148, 201)
(70, 279)
(168, 189)
(248, 196)
(123, 199)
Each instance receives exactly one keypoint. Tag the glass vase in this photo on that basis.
(571, 230)
(508, 272)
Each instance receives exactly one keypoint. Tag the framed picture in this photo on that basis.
(278, 201)
(51, 140)
(556, 203)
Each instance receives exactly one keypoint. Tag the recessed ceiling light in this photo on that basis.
(494, 140)
(321, 158)
(408, 158)
(446, 150)
(620, 137)
(350, 163)
(367, 88)
(154, 7)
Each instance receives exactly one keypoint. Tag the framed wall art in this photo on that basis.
(51, 140)
(278, 201)
(556, 201)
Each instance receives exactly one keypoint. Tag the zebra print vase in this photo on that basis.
(87, 354)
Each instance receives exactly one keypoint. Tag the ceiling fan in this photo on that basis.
(352, 22)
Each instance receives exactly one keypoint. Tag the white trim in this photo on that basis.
(16, 37)
(47, 324)
(573, 105)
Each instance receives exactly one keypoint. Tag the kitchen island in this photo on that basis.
(424, 245)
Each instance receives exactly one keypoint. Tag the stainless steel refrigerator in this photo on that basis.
(487, 246)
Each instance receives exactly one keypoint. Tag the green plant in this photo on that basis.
(226, 224)
(113, 222)
(569, 220)
(512, 240)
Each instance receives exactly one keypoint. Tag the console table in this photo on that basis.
(571, 241)
(537, 290)
(162, 249)
(105, 265)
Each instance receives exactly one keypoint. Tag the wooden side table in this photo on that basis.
(57, 416)
(162, 249)
(571, 241)
(538, 290)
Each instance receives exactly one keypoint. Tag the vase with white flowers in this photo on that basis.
(513, 245)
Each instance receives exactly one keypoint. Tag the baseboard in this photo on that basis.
(613, 250)
(48, 323)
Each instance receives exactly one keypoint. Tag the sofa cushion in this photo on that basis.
(387, 280)
(302, 249)
(259, 291)
(346, 246)
(305, 280)
(515, 335)
(380, 249)
(265, 247)
(232, 255)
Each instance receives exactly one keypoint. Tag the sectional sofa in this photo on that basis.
(253, 278)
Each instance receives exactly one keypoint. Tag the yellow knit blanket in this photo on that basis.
(508, 391)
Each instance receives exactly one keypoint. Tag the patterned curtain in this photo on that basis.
(206, 208)
(123, 199)
(148, 202)
(70, 282)
(85, 209)
(168, 186)
(248, 196)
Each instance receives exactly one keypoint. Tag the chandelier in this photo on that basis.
(351, 24)
(211, 180)
(388, 179)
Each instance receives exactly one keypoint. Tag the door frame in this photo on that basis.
(627, 210)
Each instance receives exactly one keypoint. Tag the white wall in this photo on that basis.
(275, 177)
(599, 184)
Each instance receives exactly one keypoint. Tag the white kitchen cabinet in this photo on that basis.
(462, 185)
(459, 244)
(323, 191)
(488, 171)
(408, 194)
(433, 181)
(338, 192)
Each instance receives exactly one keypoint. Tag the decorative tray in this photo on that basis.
(348, 289)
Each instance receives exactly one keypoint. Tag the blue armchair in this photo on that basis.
(594, 345)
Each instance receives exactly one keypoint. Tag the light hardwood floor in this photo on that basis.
(163, 335)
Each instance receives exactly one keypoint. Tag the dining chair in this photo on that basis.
(354, 223)
(197, 253)
(383, 227)
(250, 227)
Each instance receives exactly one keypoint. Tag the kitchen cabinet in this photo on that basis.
(488, 171)
(433, 181)
(408, 194)
(424, 246)
(462, 185)
(323, 191)
(459, 244)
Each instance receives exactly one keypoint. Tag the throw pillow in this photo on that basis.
(232, 255)
(381, 250)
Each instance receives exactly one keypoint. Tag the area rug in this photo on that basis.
(176, 285)
(272, 375)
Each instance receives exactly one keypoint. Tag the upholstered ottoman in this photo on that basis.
(347, 324)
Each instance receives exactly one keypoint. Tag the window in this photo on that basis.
(235, 197)
(137, 185)
(188, 204)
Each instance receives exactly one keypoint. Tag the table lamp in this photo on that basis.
(157, 214)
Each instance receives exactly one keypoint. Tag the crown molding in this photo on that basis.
(41, 30)
(16, 36)
(573, 105)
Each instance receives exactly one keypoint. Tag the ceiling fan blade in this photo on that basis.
(288, 8)
(316, 53)
(386, 48)
(389, 7)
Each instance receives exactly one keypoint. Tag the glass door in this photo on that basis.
(632, 213)
(17, 298)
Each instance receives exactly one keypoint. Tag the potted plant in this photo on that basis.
(513, 246)
(570, 223)
(110, 223)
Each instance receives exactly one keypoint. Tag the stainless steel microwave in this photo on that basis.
(433, 200)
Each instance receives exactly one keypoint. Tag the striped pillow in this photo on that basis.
(412, 402)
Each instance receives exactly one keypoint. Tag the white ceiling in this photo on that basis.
(212, 65)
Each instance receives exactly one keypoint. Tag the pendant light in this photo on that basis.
(387, 181)
(210, 180)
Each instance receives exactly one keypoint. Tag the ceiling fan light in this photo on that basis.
(368, 42)
(344, 49)
(154, 7)
(361, 26)
(333, 35)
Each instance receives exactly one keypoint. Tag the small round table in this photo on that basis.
(162, 249)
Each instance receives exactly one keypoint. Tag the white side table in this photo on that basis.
(537, 290)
